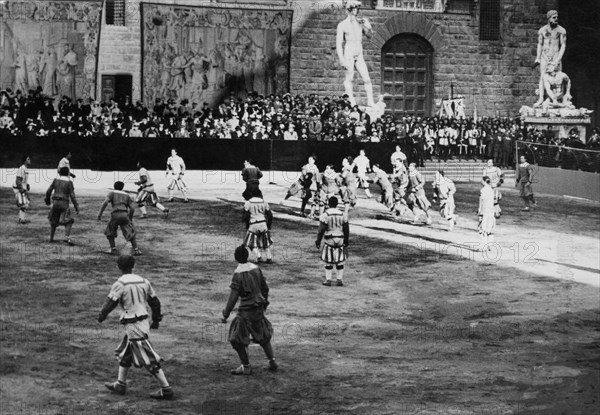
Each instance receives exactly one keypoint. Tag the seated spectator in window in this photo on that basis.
(182, 132)
(256, 133)
(135, 130)
(197, 133)
(593, 140)
(291, 133)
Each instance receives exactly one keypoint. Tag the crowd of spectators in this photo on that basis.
(274, 117)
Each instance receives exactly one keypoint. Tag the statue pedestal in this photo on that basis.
(559, 120)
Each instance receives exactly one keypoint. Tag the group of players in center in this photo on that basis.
(333, 194)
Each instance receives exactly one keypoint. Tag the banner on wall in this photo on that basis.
(204, 54)
(50, 44)
(453, 108)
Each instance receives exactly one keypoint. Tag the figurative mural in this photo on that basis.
(202, 54)
(50, 44)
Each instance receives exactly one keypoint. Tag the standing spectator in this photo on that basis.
(291, 133)
(507, 148)
(315, 128)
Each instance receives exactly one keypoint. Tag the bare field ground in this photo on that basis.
(424, 325)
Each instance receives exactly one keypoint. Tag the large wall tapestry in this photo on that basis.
(50, 44)
(204, 54)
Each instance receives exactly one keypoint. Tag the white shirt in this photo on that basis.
(362, 163)
(132, 292)
(486, 201)
(64, 162)
(176, 165)
(23, 174)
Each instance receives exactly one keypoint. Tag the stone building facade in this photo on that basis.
(417, 57)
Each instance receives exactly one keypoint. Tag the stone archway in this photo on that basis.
(418, 24)
(407, 42)
(407, 75)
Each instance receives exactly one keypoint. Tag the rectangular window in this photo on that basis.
(489, 20)
(115, 12)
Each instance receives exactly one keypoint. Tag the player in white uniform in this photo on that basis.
(65, 162)
(135, 294)
(363, 165)
(349, 184)
(496, 179)
(175, 172)
(487, 218)
(398, 154)
(445, 190)
(315, 186)
(258, 219)
(21, 188)
(146, 193)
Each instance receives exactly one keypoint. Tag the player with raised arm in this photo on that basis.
(146, 192)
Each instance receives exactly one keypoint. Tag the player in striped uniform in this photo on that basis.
(486, 212)
(349, 184)
(417, 197)
(387, 191)
(258, 219)
(175, 172)
(60, 192)
(121, 216)
(134, 295)
(250, 324)
(445, 190)
(146, 193)
(21, 188)
(496, 179)
(523, 181)
(334, 231)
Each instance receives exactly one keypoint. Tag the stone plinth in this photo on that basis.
(560, 125)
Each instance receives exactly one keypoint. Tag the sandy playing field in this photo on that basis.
(426, 323)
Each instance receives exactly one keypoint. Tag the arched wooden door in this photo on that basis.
(406, 75)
